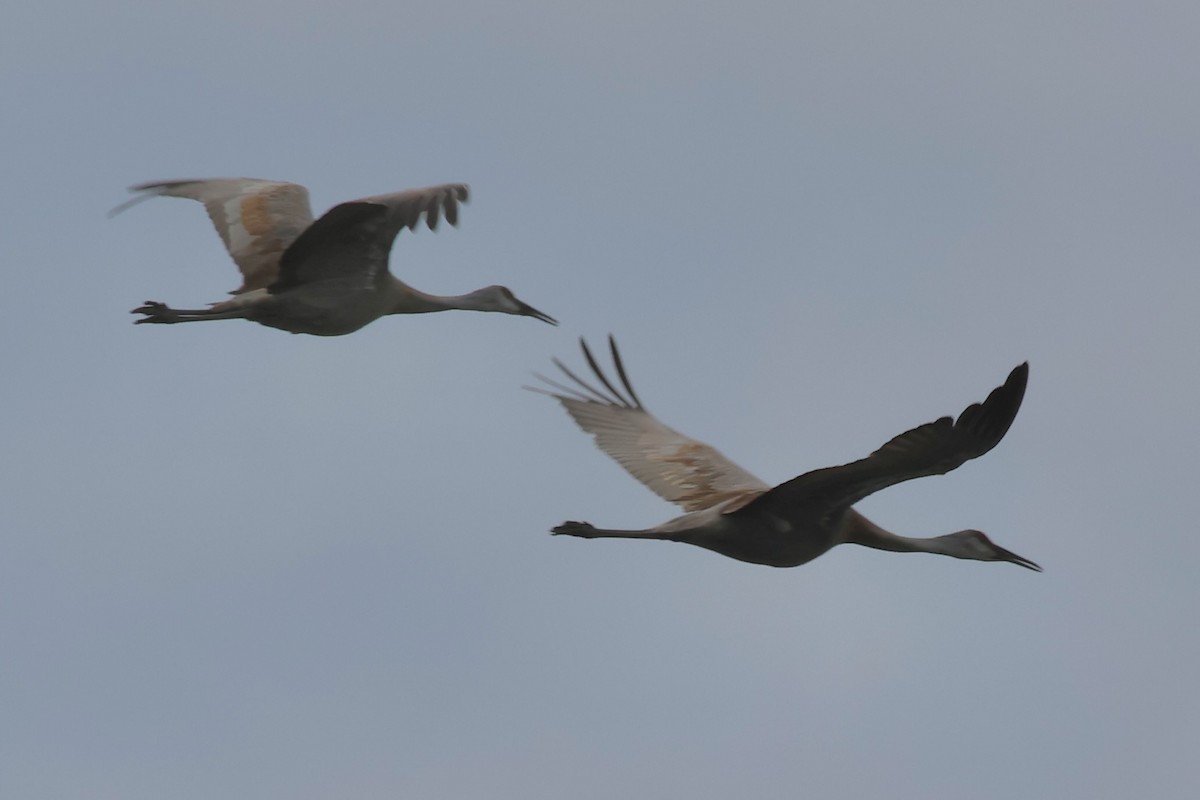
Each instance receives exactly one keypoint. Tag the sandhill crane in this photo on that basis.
(730, 511)
(329, 277)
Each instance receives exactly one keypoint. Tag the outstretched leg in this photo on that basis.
(585, 530)
(161, 313)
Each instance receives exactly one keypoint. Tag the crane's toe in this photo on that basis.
(584, 529)
(155, 312)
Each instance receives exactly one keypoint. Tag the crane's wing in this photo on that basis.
(934, 448)
(406, 209)
(256, 219)
(352, 240)
(677, 468)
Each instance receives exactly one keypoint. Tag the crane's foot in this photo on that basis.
(155, 312)
(584, 529)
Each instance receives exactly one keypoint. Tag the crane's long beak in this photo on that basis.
(529, 311)
(1013, 558)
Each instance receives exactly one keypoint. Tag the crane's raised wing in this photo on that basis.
(353, 239)
(934, 448)
(677, 468)
(406, 209)
(256, 219)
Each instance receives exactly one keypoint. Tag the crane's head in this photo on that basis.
(501, 298)
(974, 545)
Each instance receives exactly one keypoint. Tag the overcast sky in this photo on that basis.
(240, 563)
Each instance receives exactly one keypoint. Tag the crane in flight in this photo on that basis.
(733, 513)
(327, 277)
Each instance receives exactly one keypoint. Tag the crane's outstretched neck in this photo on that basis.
(968, 544)
(414, 301)
(408, 300)
(860, 530)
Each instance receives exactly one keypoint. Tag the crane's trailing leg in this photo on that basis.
(156, 312)
(162, 314)
(586, 530)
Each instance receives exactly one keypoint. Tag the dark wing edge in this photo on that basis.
(934, 448)
(586, 392)
(442, 203)
(406, 209)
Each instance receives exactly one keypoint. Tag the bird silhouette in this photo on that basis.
(327, 277)
(733, 513)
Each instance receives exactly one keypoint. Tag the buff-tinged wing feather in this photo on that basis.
(676, 467)
(256, 219)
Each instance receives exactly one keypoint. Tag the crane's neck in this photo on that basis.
(413, 301)
(857, 529)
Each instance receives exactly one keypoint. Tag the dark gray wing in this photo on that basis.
(934, 448)
(353, 239)
(408, 208)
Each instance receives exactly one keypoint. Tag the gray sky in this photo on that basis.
(239, 563)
